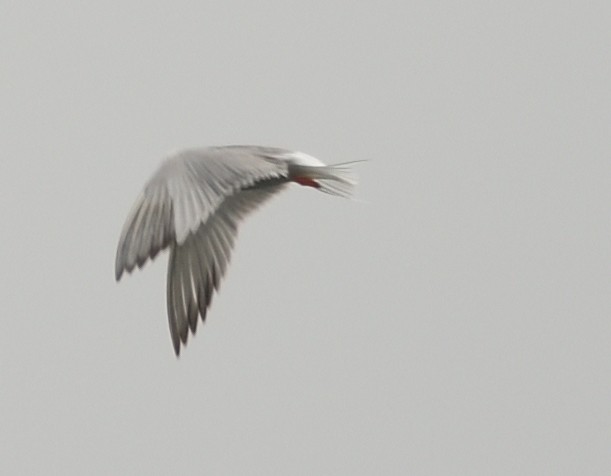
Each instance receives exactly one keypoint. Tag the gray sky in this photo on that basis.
(456, 321)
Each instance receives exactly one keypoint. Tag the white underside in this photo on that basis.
(299, 158)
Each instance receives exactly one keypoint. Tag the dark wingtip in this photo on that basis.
(119, 266)
(176, 345)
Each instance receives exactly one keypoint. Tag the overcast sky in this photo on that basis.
(455, 319)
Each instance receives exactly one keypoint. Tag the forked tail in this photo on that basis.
(336, 179)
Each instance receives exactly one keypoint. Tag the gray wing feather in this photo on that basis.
(198, 189)
(197, 265)
(186, 190)
(194, 204)
(147, 231)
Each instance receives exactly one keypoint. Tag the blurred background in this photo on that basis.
(454, 319)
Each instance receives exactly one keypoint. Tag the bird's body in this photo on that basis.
(193, 205)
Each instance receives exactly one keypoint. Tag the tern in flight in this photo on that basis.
(193, 205)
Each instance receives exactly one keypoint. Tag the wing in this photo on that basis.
(186, 190)
(197, 266)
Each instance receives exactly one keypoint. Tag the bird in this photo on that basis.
(193, 205)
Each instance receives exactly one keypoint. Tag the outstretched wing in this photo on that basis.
(197, 266)
(185, 192)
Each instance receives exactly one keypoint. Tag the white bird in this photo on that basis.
(193, 205)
